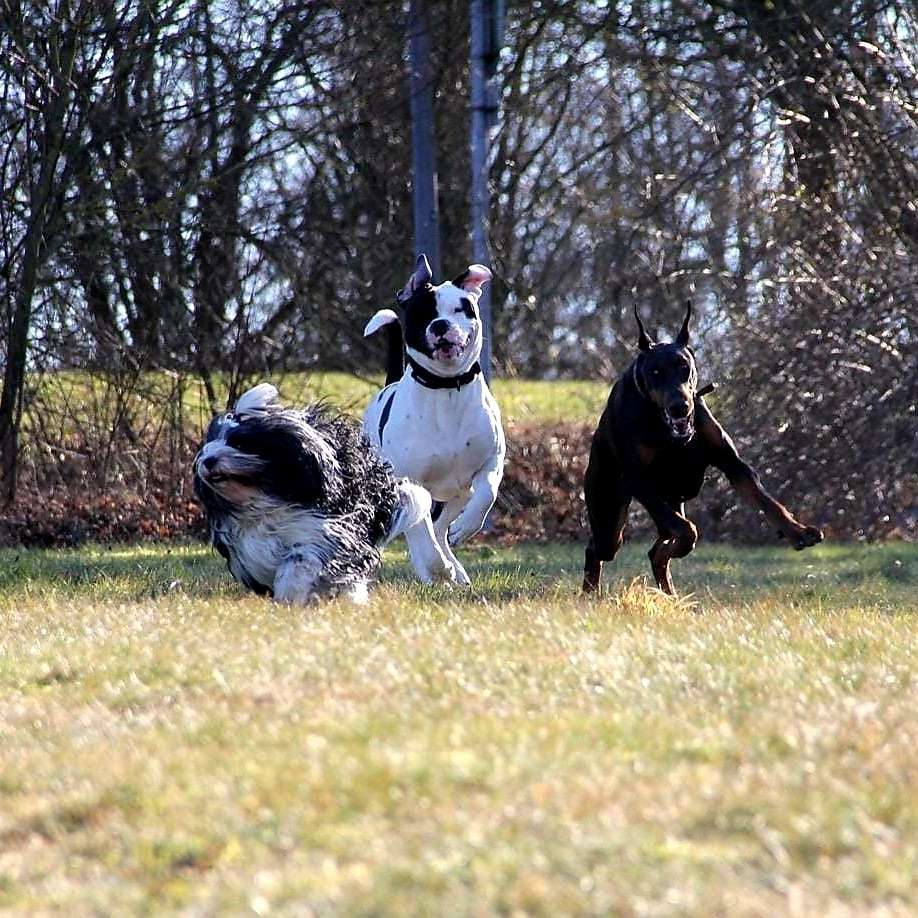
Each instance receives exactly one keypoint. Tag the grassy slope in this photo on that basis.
(521, 400)
(168, 743)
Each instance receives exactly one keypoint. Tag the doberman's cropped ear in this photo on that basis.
(682, 339)
(422, 275)
(644, 341)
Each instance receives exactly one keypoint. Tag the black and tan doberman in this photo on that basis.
(653, 444)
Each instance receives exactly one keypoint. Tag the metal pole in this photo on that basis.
(486, 21)
(423, 142)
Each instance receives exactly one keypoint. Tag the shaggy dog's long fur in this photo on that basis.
(297, 501)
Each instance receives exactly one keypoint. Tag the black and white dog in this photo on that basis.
(438, 424)
(300, 504)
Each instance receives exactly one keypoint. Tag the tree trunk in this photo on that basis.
(53, 113)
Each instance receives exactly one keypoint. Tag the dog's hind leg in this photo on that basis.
(607, 501)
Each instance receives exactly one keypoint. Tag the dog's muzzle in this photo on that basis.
(214, 470)
(207, 468)
(680, 421)
(445, 340)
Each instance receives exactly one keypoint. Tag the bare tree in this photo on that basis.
(218, 190)
(40, 50)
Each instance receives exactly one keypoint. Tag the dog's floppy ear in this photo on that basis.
(422, 275)
(644, 341)
(682, 339)
(473, 279)
(381, 318)
(256, 401)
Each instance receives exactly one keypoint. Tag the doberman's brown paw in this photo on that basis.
(807, 536)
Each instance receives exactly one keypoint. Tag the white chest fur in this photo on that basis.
(438, 437)
(258, 547)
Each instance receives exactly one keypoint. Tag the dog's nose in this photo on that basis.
(679, 410)
(439, 327)
(209, 462)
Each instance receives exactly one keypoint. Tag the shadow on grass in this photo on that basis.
(716, 571)
(527, 571)
(118, 572)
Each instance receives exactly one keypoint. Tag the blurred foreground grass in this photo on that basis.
(168, 743)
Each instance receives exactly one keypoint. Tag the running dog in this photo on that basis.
(654, 442)
(438, 424)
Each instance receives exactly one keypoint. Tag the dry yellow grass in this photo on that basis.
(168, 744)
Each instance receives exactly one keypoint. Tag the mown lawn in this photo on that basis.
(168, 744)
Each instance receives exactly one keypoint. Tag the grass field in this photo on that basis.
(521, 400)
(168, 744)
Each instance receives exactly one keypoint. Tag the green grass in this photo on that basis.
(521, 400)
(92, 398)
(168, 743)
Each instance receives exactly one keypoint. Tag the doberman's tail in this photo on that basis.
(395, 345)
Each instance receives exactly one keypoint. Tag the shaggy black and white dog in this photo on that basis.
(300, 504)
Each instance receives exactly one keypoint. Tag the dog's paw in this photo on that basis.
(358, 593)
(442, 571)
(449, 574)
(807, 536)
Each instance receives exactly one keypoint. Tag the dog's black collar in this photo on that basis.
(432, 381)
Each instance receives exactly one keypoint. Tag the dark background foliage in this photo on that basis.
(222, 191)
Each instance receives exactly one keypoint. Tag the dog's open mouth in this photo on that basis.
(447, 350)
(680, 428)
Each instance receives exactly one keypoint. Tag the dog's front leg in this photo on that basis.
(485, 483)
(746, 483)
(297, 577)
(450, 510)
(427, 557)
(413, 521)
(677, 534)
